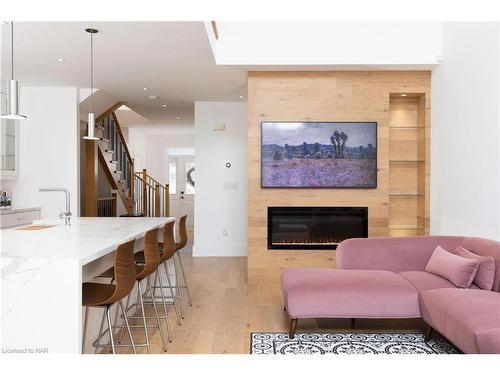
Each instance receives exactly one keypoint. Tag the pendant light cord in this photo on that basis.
(12, 48)
(91, 72)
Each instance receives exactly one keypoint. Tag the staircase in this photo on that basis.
(151, 197)
(141, 194)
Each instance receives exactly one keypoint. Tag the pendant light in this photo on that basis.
(13, 113)
(91, 117)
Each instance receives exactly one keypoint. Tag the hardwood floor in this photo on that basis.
(226, 310)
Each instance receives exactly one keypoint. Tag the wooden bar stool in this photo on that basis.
(105, 295)
(179, 270)
(167, 251)
(144, 271)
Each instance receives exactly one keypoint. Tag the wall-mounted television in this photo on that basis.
(318, 154)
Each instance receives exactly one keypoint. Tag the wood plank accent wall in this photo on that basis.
(339, 96)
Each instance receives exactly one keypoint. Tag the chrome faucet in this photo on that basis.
(66, 215)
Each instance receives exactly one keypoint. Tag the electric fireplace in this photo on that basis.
(314, 227)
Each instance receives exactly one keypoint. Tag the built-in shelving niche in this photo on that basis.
(408, 165)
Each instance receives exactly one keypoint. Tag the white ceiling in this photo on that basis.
(172, 59)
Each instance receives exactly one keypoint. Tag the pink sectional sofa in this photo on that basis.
(385, 278)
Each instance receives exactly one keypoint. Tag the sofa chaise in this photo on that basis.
(386, 278)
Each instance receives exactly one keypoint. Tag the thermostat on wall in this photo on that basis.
(219, 126)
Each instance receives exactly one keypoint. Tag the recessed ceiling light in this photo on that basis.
(403, 94)
(145, 89)
(153, 97)
(61, 60)
(178, 117)
(164, 105)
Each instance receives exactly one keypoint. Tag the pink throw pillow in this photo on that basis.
(456, 269)
(486, 271)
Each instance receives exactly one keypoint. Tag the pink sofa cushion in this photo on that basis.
(485, 248)
(458, 270)
(486, 271)
(334, 293)
(422, 280)
(462, 315)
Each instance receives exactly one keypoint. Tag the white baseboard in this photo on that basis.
(219, 250)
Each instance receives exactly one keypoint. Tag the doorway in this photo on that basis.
(181, 172)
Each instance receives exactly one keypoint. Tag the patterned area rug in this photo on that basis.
(349, 343)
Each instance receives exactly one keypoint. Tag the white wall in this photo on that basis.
(328, 43)
(465, 167)
(221, 193)
(137, 147)
(49, 149)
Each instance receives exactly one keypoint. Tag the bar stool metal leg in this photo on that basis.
(143, 316)
(175, 298)
(162, 335)
(126, 305)
(178, 287)
(165, 309)
(128, 327)
(110, 327)
(84, 334)
(184, 279)
(100, 332)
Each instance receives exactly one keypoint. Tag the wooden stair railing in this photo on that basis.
(151, 197)
(141, 194)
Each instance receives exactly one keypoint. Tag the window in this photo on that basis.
(181, 151)
(190, 178)
(172, 178)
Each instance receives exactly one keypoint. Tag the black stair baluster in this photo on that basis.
(107, 126)
(121, 157)
(127, 172)
(111, 138)
(105, 130)
(119, 152)
(113, 144)
(125, 177)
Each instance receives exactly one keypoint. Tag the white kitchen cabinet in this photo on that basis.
(14, 217)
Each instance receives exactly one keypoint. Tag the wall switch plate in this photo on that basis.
(219, 126)
(230, 185)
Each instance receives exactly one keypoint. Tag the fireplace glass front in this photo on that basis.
(314, 227)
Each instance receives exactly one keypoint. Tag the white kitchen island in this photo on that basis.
(42, 274)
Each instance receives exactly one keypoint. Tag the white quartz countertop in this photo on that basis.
(86, 239)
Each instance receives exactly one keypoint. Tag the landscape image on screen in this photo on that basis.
(319, 154)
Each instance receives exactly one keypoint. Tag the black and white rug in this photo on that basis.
(349, 343)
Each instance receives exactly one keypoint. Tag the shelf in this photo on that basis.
(406, 127)
(406, 161)
(408, 138)
(405, 195)
(404, 227)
